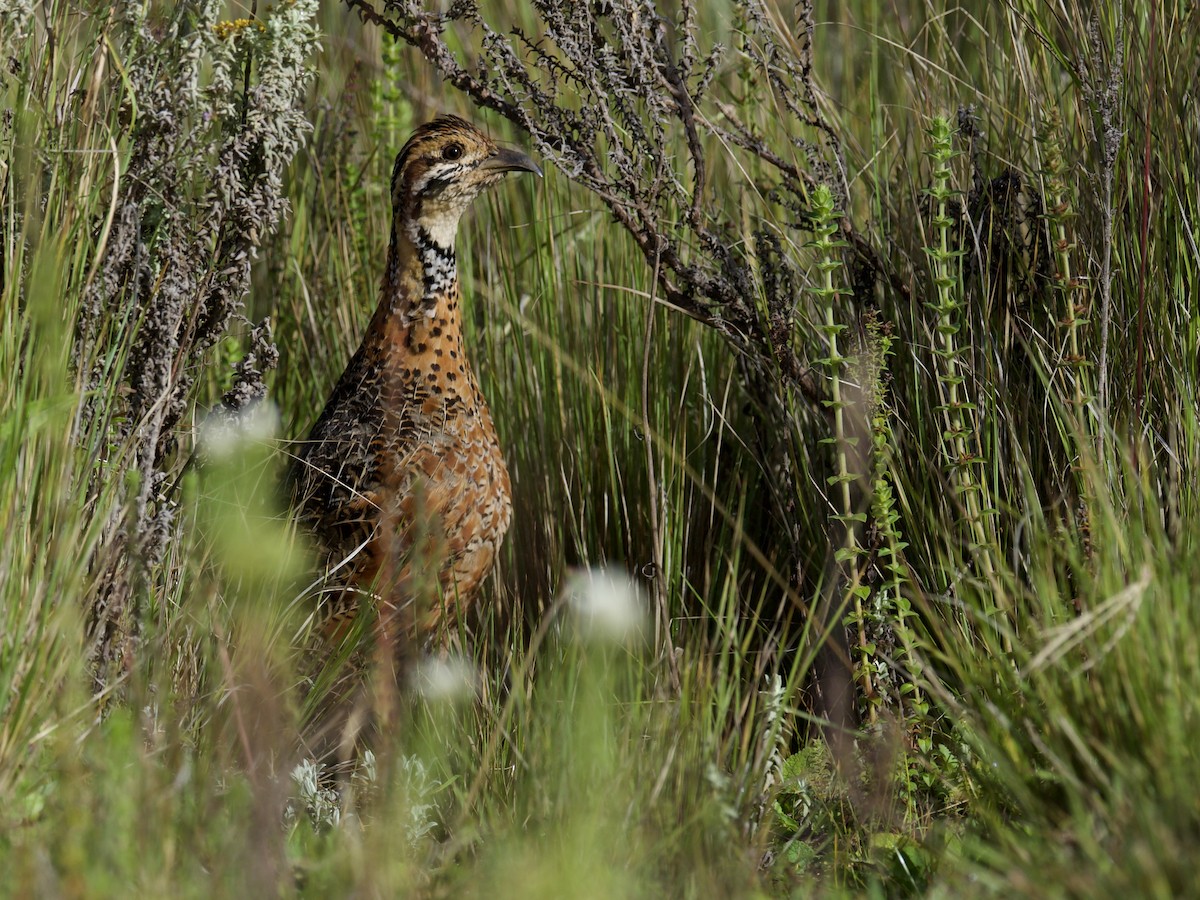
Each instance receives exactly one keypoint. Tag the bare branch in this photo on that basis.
(612, 93)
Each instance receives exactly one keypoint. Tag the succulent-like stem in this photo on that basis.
(893, 603)
(960, 446)
(828, 265)
(1071, 290)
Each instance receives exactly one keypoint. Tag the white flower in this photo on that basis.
(446, 678)
(225, 434)
(606, 606)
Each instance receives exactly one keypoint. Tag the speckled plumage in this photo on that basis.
(402, 479)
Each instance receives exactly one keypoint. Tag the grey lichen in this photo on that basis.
(215, 114)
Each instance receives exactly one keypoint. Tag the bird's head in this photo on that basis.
(443, 167)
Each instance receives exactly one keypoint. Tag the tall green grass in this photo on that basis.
(1034, 718)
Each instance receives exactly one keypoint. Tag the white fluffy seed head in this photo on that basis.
(225, 435)
(607, 606)
(446, 679)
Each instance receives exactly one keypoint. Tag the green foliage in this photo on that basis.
(1020, 541)
(827, 836)
(1071, 291)
(960, 438)
(847, 434)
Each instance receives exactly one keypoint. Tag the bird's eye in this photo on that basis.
(453, 151)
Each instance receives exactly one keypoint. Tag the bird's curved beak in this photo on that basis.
(506, 160)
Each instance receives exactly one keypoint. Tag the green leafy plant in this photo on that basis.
(960, 450)
(847, 434)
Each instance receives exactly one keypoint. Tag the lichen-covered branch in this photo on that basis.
(617, 95)
(216, 114)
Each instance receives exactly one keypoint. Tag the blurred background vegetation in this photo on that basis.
(925, 629)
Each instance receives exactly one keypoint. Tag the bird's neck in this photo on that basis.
(419, 295)
(421, 272)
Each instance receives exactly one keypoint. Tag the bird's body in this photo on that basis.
(402, 479)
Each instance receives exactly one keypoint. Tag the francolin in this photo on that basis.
(402, 479)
